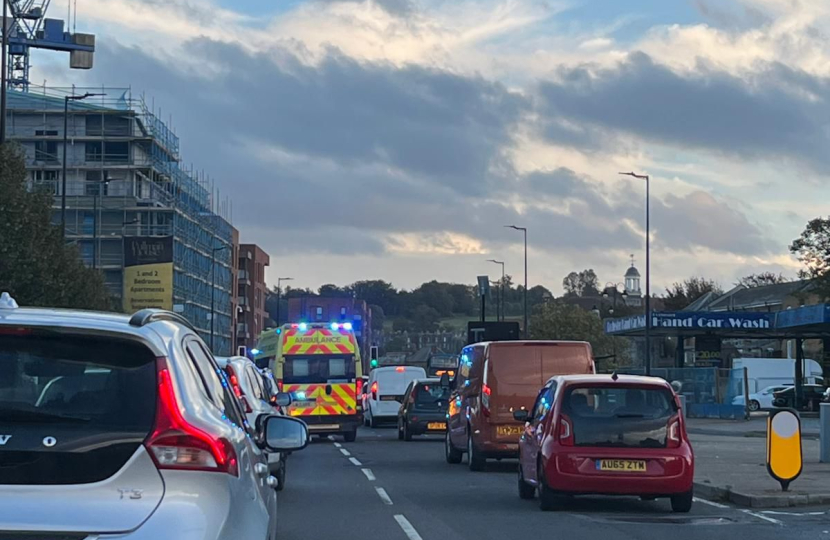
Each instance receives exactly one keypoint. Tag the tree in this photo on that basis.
(332, 291)
(378, 317)
(680, 295)
(558, 320)
(584, 283)
(425, 319)
(36, 266)
(571, 284)
(377, 292)
(762, 279)
(813, 250)
(436, 296)
(463, 299)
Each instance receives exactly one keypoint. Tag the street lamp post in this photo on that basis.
(100, 185)
(213, 290)
(615, 288)
(279, 295)
(524, 230)
(66, 100)
(501, 288)
(648, 269)
(498, 299)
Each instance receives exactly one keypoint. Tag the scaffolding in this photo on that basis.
(125, 139)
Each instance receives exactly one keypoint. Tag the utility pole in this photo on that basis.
(279, 295)
(524, 230)
(648, 270)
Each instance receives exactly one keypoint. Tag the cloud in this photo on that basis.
(779, 114)
(393, 7)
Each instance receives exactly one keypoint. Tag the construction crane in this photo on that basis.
(28, 28)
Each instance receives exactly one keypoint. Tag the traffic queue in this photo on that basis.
(572, 431)
(200, 443)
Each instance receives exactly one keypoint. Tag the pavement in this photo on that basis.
(755, 427)
(385, 489)
(730, 465)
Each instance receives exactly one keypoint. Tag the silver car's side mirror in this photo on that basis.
(285, 434)
(283, 399)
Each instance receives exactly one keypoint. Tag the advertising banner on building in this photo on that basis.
(148, 273)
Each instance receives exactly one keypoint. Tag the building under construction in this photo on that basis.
(129, 201)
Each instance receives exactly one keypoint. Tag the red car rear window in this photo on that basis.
(618, 416)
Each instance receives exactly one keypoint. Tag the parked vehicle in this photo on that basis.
(812, 396)
(765, 372)
(760, 400)
(254, 393)
(494, 379)
(424, 409)
(605, 435)
(387, 386)
(173, 455)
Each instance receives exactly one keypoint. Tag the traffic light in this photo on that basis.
(373, 355)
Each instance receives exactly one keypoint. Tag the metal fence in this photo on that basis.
(700, 385)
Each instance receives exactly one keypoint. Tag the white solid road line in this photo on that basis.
(345, 452)
(407, 527)
(355, 462)
(762, 516)
(383, 495)
(710, 503)
(369, 474)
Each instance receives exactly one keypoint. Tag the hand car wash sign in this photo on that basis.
(712, 321)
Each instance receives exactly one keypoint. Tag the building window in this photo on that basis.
(46, 150)
(318, 313)
(112, 126)
(342, 313)
(46, 180)
(86, 226)
(109, 151)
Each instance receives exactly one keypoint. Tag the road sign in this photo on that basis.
(483, 285)
(784, 459)
(492, 331)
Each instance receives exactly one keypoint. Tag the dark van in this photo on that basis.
(495, 379)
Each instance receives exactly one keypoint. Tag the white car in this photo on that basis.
(386, 388)
(762, 399)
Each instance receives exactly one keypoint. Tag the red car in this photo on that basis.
(605, 435)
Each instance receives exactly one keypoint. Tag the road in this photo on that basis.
(382, 488)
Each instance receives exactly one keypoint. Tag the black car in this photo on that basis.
(812, 396)
(424, 409)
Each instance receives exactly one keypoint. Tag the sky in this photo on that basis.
(394, 139)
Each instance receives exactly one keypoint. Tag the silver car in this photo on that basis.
(124, 427)
(254, 393)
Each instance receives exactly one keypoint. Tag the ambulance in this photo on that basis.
(319, 365)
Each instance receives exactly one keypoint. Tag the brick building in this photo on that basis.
(251, 290)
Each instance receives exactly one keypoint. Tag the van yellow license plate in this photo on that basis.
(509, 430)
(437, 425)
(621, 465)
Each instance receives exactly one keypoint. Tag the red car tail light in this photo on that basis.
(486, 392)
(675, 436)
(359, 387)
(375, 390)
(175, 444)
(565, 432)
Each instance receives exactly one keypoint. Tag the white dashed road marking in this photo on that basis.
(345, 452)
(407, 527)
(762, 516)
(710, 503)
(383, 495)
(369, 475)
(355, 462)
(338, 445)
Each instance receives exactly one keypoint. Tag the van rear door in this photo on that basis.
(513, 376)
(566, 358)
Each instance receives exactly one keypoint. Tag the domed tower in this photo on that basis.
(632, 285)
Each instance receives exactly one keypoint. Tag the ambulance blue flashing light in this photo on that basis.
(255, 351)
(303, 327)
(335, 326)
(347, 326)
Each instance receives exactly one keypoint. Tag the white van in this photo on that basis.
(385, 390)
(764, 372)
